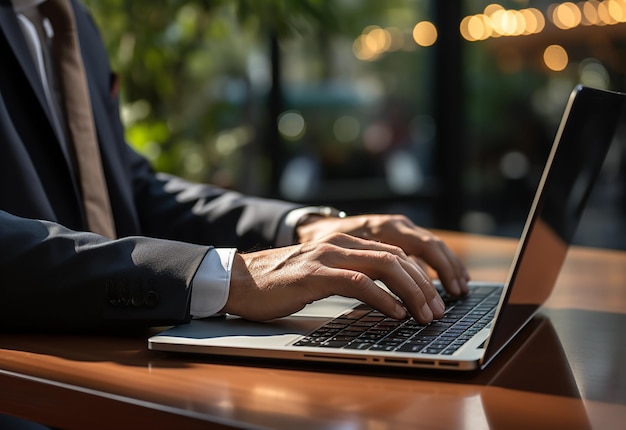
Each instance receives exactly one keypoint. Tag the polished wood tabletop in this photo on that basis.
(567, 369)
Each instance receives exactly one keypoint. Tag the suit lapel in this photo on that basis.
(10, 26)
(13, 32)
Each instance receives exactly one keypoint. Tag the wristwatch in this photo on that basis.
(324, 211)
(287, 232)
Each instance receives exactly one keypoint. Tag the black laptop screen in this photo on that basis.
(579, 150)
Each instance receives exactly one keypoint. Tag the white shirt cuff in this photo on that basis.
(211, 284)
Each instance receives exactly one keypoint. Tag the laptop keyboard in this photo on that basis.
(363, 328)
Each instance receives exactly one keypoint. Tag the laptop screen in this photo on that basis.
(580, 147)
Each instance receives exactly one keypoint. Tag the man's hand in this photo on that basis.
(278, 282)
(397, 230)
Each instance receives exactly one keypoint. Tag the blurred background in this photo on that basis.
(441, 110)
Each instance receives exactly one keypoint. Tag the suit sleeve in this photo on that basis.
(173, 208)
(56, 278)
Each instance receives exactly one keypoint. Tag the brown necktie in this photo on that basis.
(79, 118)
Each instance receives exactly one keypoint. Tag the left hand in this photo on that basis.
(399, 231)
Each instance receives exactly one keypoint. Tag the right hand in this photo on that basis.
(278, 282)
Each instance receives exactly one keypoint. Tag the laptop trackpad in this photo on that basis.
(302, 322)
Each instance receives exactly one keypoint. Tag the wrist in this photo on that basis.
(288, 234)
(310, 215)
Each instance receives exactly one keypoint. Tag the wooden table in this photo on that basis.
(566, 370)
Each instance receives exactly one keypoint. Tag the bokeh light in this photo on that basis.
(594, 74)
(555, 58)
(514, 165)
(425, 33)
(291, 125)
(498, 22)
(566, 15)
(346, 129)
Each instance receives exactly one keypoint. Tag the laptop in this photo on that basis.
(475, 328)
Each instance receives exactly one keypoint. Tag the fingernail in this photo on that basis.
(399, 312)
(443, 304)
(437, 306)
(427, 314)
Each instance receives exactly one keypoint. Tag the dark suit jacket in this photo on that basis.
(53, 274)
